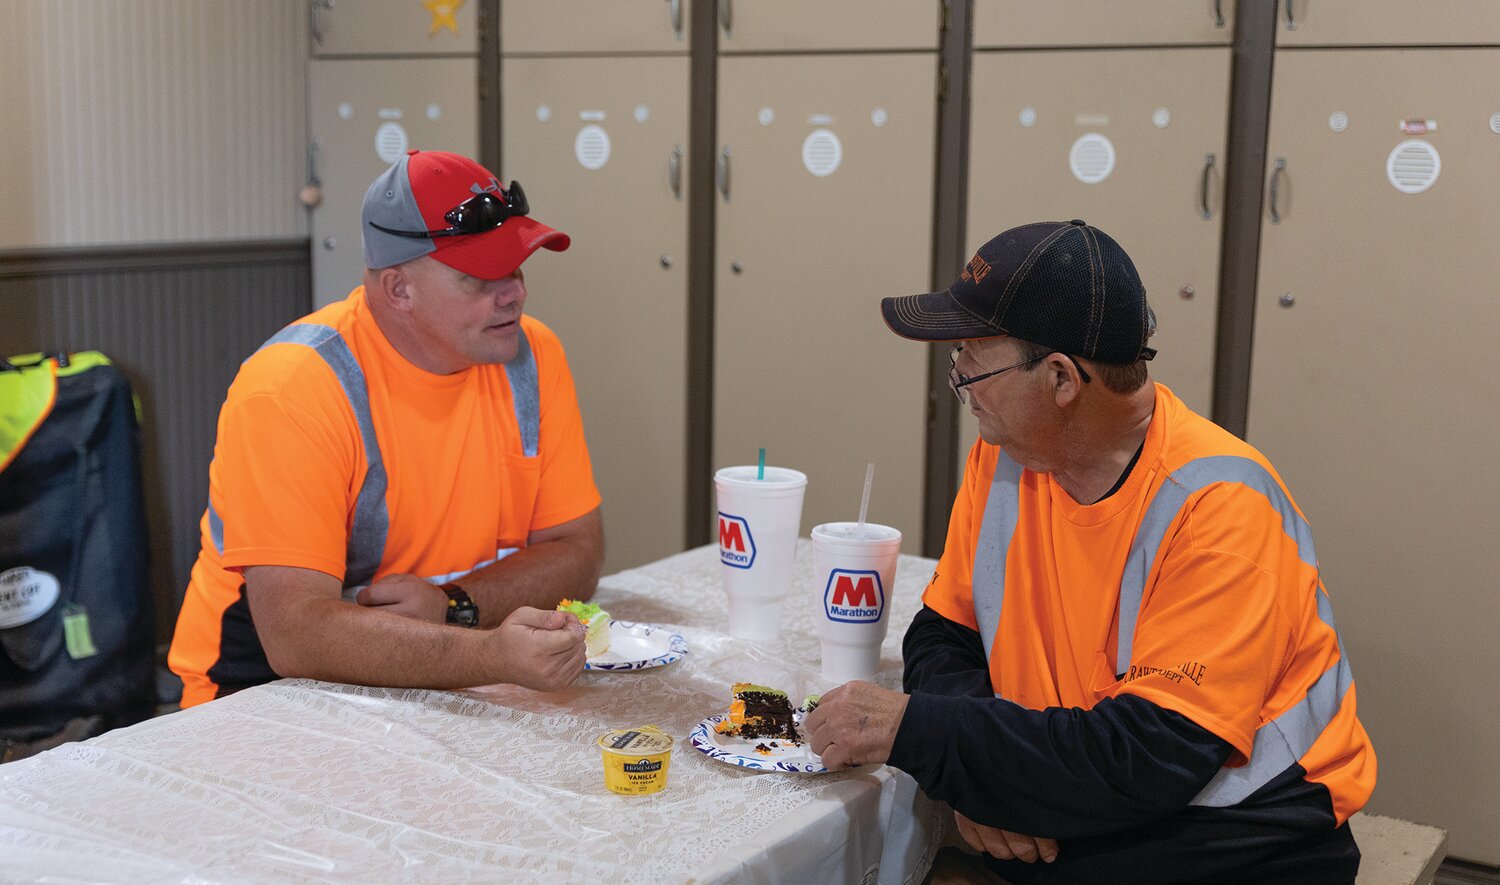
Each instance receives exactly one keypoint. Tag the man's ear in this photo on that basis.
(1066, 383)
(393, 286)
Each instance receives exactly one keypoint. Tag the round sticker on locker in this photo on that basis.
(1413, 166)
(1092, 158)
(25, 595)
(822, 152)
(391, 141)
(592, 147)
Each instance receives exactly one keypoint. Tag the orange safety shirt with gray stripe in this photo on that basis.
(1195, 586)
(335, 453)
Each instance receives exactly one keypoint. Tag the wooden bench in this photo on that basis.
(1393, 852)
(1397, 852)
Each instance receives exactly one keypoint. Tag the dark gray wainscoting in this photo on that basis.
(178, 320)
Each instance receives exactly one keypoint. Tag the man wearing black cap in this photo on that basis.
(1126, 668)
(402, 465)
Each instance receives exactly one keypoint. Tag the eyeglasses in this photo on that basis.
(479, 213)
(960, 382)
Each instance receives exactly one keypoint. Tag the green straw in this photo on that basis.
(760, 470)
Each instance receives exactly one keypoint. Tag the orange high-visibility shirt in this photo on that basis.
(290, 462)
(1228, 633)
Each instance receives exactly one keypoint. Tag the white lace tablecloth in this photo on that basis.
(303, 781)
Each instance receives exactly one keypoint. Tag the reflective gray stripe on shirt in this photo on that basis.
(1180, 485)
(367, 536)
(215, 524)
(520, 370)
(1279, 743)
(1001, 512)
(1282, 741)
(371, 520)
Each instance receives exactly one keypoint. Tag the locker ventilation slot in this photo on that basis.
(390, 142)
(822, 152)
(592, 147)
(1413, 166)
(1092, 158)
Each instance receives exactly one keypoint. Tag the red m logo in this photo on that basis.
(730, 536)
(846, 591)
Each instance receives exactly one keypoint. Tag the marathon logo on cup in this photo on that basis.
(736, 544)
(853, 597)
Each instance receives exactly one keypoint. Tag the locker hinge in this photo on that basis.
(947, 14)
(942, 89)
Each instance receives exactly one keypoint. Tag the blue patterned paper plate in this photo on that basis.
(731, 750)
(635, 646)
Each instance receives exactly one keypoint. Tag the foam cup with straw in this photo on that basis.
(760, 513)
(854, 568)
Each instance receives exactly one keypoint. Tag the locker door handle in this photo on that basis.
(1219, 13)
(315, 18)
(676, 14)
(1291, 17)
(723, 174)
(726, 17)
(1275, 180)
(1208, 168)
(314, 155)
(674, 171)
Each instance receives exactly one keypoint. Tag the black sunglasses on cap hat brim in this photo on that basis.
(479, 214)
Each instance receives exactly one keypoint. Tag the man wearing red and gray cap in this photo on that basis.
(1126, 668)
(402, 465)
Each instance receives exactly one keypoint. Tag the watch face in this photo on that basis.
(461, 608)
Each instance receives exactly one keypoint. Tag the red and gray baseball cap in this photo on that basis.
(1062, 284)
(409, 211)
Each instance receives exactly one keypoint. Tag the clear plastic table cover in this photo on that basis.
(318, 782)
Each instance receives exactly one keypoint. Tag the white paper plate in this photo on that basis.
(635, 646)
(732, 750)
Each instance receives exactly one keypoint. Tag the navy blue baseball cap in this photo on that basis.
(1061, 284)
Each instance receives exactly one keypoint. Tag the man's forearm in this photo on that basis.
(944, 658)
(539, 576)
(1059, 773)
(330, 639)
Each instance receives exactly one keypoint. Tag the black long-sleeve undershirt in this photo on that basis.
(1060, 773)
(1111, 784)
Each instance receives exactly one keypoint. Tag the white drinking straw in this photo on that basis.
(864, 503)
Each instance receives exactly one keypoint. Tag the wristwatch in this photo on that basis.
(461, 608)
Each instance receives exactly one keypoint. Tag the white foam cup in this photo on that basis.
(854, 572)
(757, 523)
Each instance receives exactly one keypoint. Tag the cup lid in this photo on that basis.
(850, 531)
(775, 477)
(634, 741)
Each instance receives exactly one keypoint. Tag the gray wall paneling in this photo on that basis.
(177, 322)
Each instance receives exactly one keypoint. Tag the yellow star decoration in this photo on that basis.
(442, 14)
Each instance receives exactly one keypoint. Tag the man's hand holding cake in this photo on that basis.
(854, 724)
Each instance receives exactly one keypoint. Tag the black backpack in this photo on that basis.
(76, 622)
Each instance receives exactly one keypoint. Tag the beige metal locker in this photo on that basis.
(1000, 24)
(580, 26)
(1387, 22)
(1132, 141)
(824, 207)
(600, 145)
(799, 25)
(1373, 391)
(393, 27)
(363, 116)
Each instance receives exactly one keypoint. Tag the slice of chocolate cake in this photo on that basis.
(759, 711)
